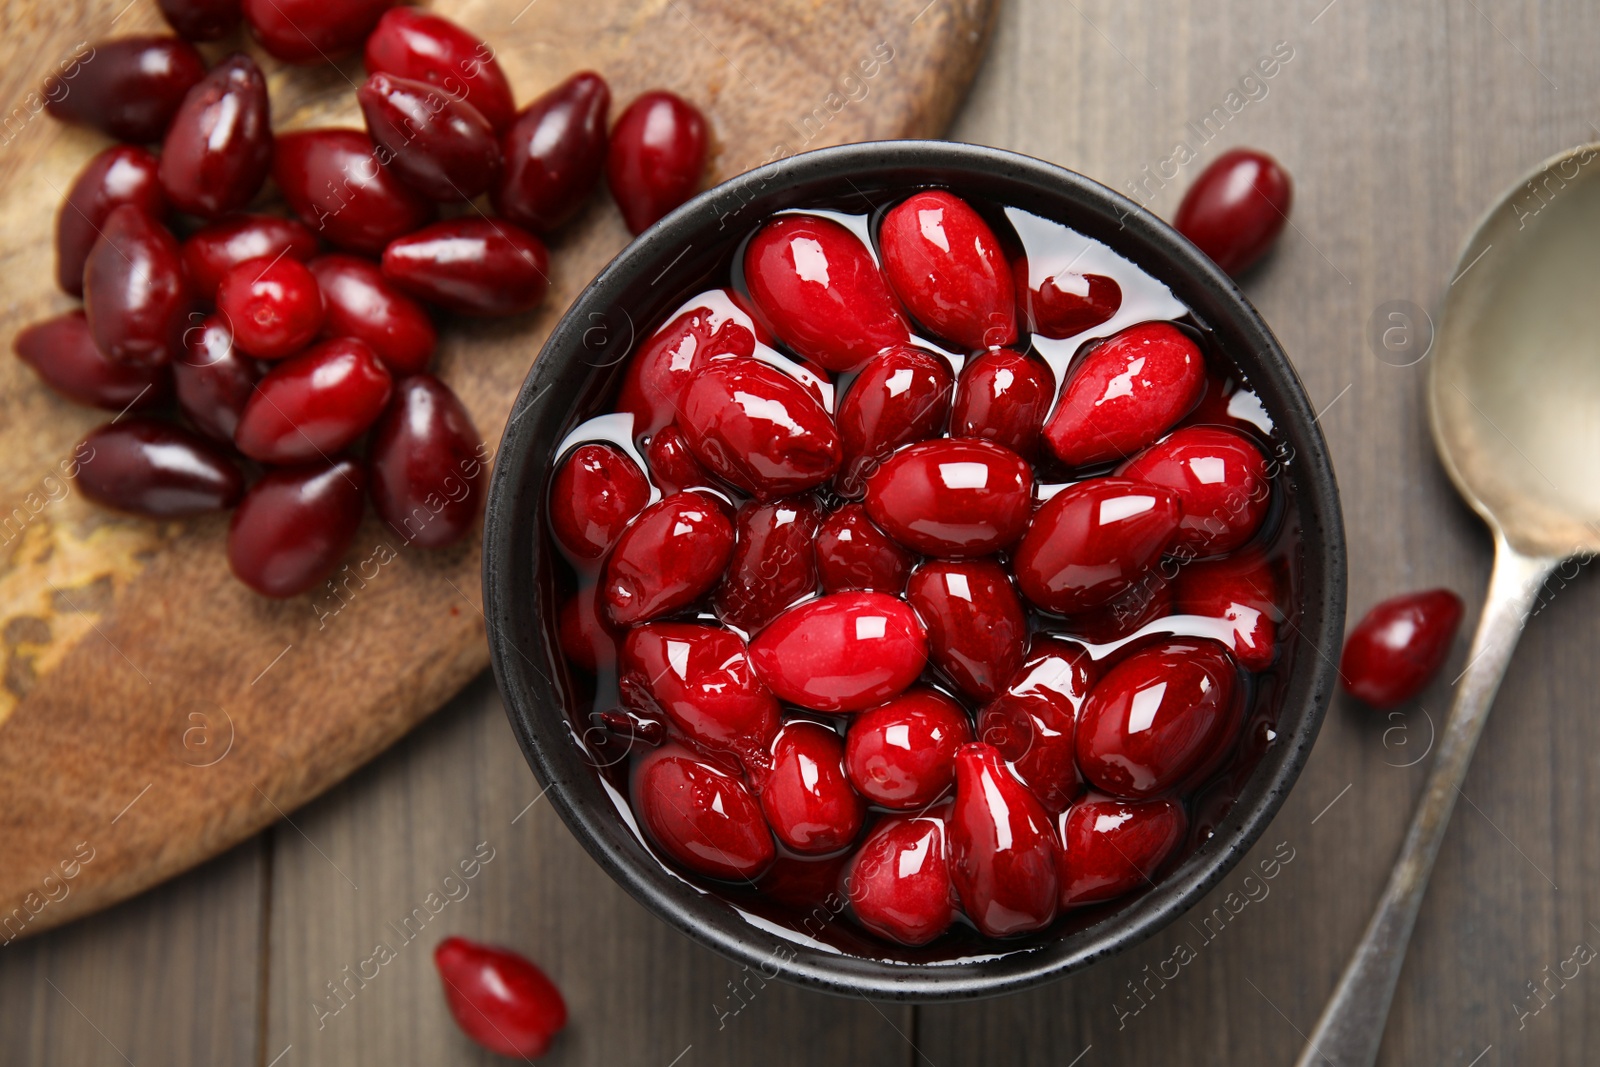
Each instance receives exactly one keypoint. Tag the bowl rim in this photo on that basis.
(530, 695)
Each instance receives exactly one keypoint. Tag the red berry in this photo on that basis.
(656, 378)
(976, 628)
(597, 491)
(899, 880)
(1091, 541)
(219, 146)
(1125, 393)
(134, 292)
(903, 754)
(656, 156)
(700, 680)
(806, 797)
(1003, 850)
(1148, 599)
(701, 815)
(1032, 724)
(818, 289)
(335, 181)
(475, 266)
(901, 396)
(411, 43)
(584, 637)
(313, 405)
(1398, 646)
(554, 154)
(1066, 303)
(1236, 208)
(501, 1000)
(672, 466)
(63, 353)
(201, 20)
(154, 468)
(852, 553)
(214, 378)
(215, 248)
(1111, 847)
(954, 497)
(359, 302)
(273, 306)
(1003, 396)
(1221, 480)
(293, 525)
(1242, 590)
(130, 87)
(440, 146)
(945, 264)
(312, 31)
(1158, 717)
(670, 557)
(426, 464)
(758, 428)
(841, 652)
(122, 174)
(774, 563)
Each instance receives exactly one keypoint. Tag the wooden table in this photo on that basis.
(1400, 122)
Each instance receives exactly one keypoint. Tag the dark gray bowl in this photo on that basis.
(577, 368)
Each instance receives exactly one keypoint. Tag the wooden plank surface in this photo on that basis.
(1400, 124)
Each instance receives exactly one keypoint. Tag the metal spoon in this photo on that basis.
(1514, 396)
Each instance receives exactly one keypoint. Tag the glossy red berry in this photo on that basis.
(63, 353)
(1236, 208)
(853, 554)
(272, 305)
(292, 527)
(334, 180)
(201, 20)
(596, 492)
(1003, 396)
(584, 637)
(899, 880)
(672, 465)
(699, 679)
(903, 754)
(1398, 646)
(657, 376)
(1158, 717)
(1091, 541)
(977, 631)
(817, 288)
(214, 379)
(130, 88)
(1033, 723)
(471, 265)
(313, 405)
(440, 146)
(656, 157)
(1125, 393)
(1066, 303)
(358, 301)
(773, 565)
(1003, 850)
(1221, 480)
(217, 247)
(954, 497)
(122, 174)
(1148, 599)
(806, 797)
(151, 467)
(219, 146)
(426, 464)
(701, 815)
(409, 42)
(134, 292)
(554, 153)
(1112, 847)
(841, 652)
(501, 1000)
(668, 558)
(946, 266)
(1242, 590)
(758, 428)
(312, 31)
(901, 396)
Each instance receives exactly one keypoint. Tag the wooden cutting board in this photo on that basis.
(153, 711)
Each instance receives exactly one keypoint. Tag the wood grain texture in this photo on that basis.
(134, 661)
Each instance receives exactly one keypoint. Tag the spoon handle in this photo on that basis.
(1351, 1027)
